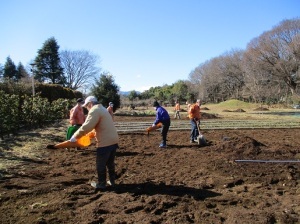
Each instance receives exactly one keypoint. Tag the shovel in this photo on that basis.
(200, 139)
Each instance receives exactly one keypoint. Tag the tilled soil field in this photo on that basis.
(183, 183)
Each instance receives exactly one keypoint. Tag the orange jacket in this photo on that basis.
(194, 111)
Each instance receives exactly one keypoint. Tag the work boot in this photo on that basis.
(98, 186)
(163, 145)
(111, 183)
(193, 141)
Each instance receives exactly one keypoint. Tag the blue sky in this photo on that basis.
(142, 43)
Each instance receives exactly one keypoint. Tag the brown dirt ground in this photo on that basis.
(183, 183)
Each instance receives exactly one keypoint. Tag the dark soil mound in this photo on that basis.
(261, 109)
(239, 110)
(208, 116)
(204, 108)
(226, 111)
(238, 147)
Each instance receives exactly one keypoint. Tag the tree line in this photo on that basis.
(267, 71)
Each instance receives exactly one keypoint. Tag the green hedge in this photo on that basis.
(23, 111)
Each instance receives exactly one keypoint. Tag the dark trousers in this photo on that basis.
(194, 130)
(165, 129)
(106, 159)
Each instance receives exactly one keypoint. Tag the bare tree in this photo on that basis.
(80, 68)
(220, 78)
(276, 53)
(231, 73)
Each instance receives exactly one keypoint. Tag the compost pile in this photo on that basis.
(183, 183)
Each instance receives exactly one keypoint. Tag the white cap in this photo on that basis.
(90, 99)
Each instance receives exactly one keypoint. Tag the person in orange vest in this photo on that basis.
(194, 116)
(177, 110)
(110, 109)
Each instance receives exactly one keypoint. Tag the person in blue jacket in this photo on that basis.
(162, 116)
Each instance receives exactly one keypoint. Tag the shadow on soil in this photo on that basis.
(153, 189)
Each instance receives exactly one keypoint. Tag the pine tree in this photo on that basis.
(21, 72)
(10, 70)
(106, 90)
(1, 71)
(48, 68)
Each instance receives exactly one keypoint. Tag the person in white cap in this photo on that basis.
(110, 109)
(107, 139)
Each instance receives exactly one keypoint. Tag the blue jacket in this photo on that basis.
(161, 115)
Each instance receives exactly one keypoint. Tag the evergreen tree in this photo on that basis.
(21, 72)
(10, 70)
(1, 71)
(48, 66)
(106, 90)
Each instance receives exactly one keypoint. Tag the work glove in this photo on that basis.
(73, 139)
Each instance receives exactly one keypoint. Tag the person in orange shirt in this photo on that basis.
(177, 110)
(110, 109)
(194, 116)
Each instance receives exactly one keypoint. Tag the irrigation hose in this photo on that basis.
(267, 161)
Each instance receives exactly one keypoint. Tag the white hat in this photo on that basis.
(89, 99)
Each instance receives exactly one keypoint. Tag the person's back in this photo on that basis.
(194, 111)
(99, 119)
(194, 116)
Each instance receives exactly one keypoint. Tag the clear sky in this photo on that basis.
(142, 43)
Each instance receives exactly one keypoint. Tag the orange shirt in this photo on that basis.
(194, 111)
(177, 106)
